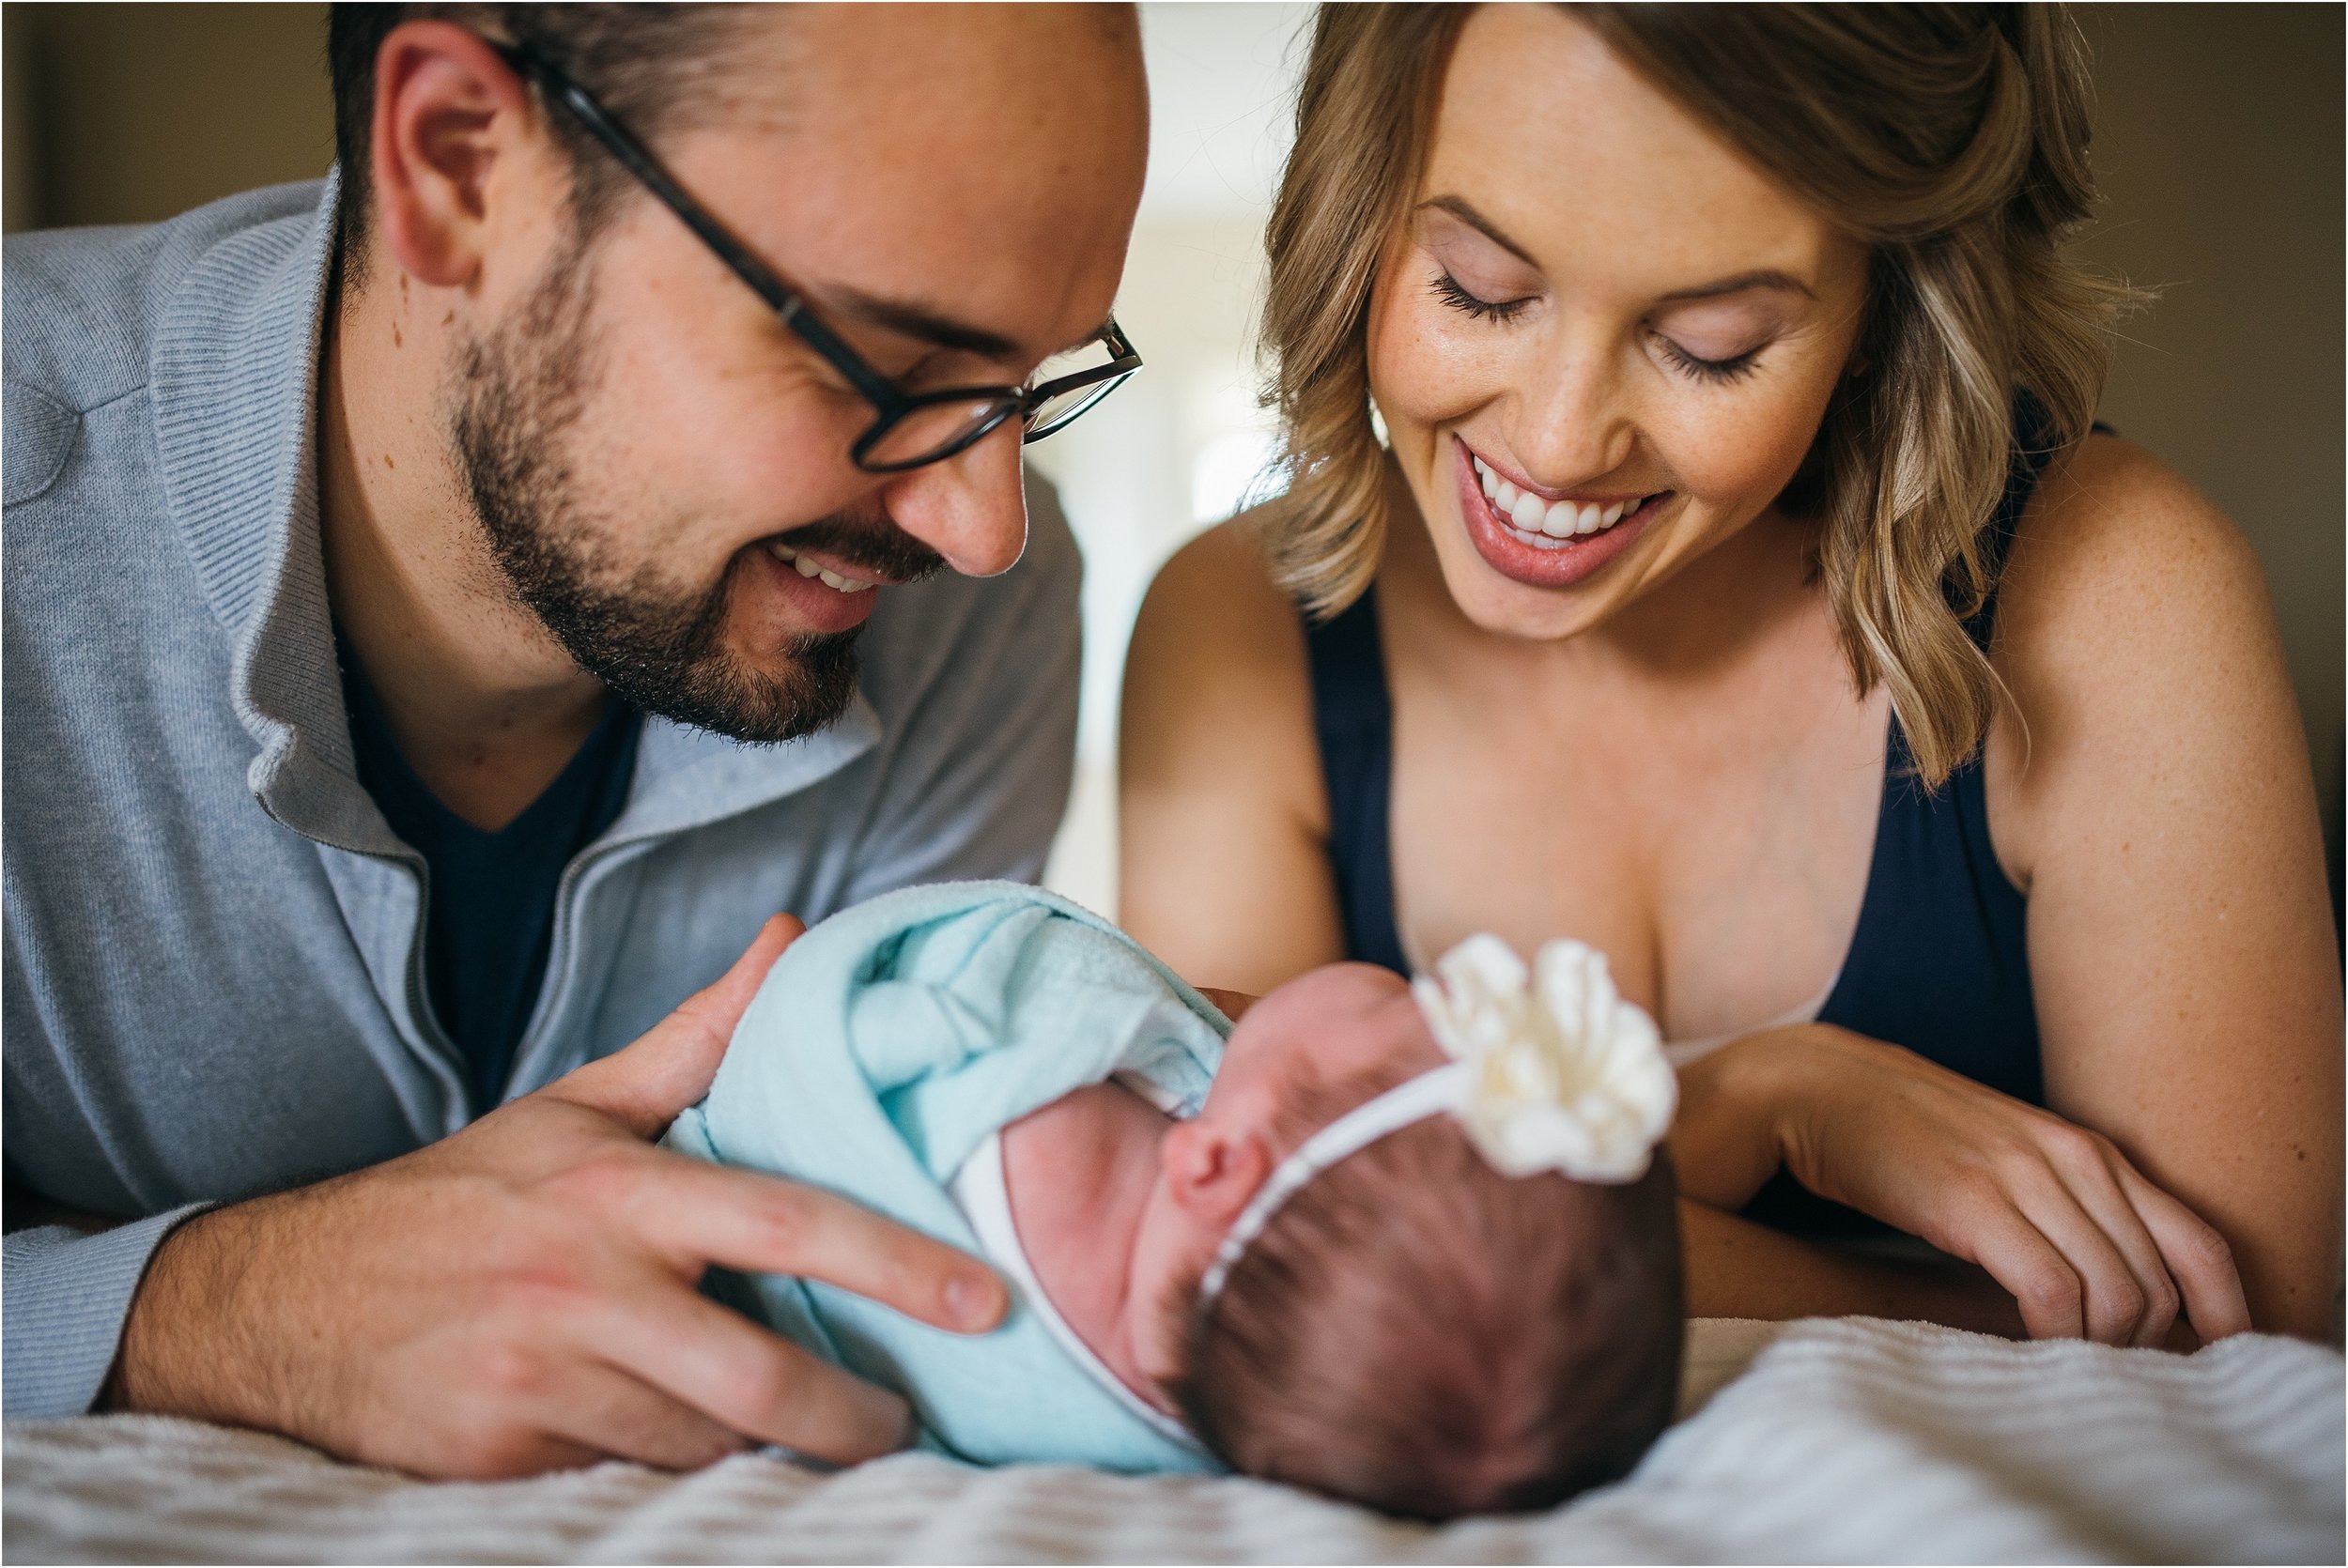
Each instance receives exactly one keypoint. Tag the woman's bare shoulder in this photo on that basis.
(2113, 534)
(2155, 790)
(1222, 807)
(1221, 585)
(2133, 614)
(1218, 627)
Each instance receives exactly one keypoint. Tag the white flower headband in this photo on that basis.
(1550, 1071)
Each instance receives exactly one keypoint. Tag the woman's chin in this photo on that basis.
(1496, 602)
(1500, 603)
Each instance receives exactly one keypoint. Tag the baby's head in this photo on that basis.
(1413, 1330)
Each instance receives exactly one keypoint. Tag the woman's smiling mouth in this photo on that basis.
(1543, 541)
(1548, 523)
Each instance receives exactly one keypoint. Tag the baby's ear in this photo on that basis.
(1212, 1172)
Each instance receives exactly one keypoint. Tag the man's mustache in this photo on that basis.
(873, 544)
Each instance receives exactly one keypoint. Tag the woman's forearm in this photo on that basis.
(1736, 1269)
(1726, 1146)
(1725, 1137)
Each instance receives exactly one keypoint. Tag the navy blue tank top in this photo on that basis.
(1937, 962)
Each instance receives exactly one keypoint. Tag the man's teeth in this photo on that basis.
(1560, 519)
(807, 568)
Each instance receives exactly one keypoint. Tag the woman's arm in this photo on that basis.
(2158, 808)
(1729, 1137)
(1222, 816)
(1736, 1269)
(2149, 790)
(2063, 1235)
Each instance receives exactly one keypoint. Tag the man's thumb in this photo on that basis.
(670, 1065)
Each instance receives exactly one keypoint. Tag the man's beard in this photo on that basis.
(519, 393)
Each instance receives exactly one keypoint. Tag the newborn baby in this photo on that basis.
(1336, 1250)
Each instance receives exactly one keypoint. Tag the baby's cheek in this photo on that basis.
(1168, 1262)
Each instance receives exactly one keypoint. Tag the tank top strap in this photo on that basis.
(1939, 920)
(2034, 448)
(1353, 721)
(1939, 962)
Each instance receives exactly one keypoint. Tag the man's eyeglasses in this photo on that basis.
(912, 428)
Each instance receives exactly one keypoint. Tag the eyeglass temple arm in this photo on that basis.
(1124, 361)
(529, 60)
(639, 161)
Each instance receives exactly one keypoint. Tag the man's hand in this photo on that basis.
(520, 1296)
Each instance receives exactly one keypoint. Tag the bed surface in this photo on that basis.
(1845, 1439)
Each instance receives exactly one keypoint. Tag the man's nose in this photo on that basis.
(971, 509)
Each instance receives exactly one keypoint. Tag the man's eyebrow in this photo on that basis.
(1765, 278)
(1459, 207)
(917, 321)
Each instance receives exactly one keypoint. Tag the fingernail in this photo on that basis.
(974, 1301)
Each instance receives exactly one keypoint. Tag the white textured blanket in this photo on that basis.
(1849, 1440)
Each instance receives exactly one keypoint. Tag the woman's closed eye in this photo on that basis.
(1716, 340)
(1454, 293)
(1734, 367)
(1701, 367)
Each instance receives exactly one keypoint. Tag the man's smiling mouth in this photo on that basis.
(808, 568)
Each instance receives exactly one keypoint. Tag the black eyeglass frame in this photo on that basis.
(890, 403)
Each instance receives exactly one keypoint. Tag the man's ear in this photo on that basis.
(447, 108)
(1210, 1173)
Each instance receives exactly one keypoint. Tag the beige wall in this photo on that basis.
(136, 112)
(2218, 145)
(2219, 139)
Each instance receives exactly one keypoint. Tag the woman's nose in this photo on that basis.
(1576, 422)
(971, 509)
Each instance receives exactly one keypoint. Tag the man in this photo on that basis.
(449, 611)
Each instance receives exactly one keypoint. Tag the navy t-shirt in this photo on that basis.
(490, 920)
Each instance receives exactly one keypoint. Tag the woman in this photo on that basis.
(1740, 588)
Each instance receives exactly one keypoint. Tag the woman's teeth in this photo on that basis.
(807, 568)
(1560, 519)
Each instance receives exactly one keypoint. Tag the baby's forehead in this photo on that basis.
(1341, 1016)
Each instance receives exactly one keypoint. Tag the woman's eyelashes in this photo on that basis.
(1454, 293)
(1735, 367)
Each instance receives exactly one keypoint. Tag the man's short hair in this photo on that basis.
(652, 66)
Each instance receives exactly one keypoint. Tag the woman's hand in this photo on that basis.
(2055, 1213)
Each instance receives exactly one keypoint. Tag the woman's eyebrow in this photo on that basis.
(1459, 207)
(1768, 277)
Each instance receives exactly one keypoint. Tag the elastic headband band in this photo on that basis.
(1407, 1104)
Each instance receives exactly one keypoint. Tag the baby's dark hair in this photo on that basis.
(1415, 1331)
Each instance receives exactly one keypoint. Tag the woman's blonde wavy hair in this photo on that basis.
(1949, 139)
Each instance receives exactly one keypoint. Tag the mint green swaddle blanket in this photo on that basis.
(885, 1048)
